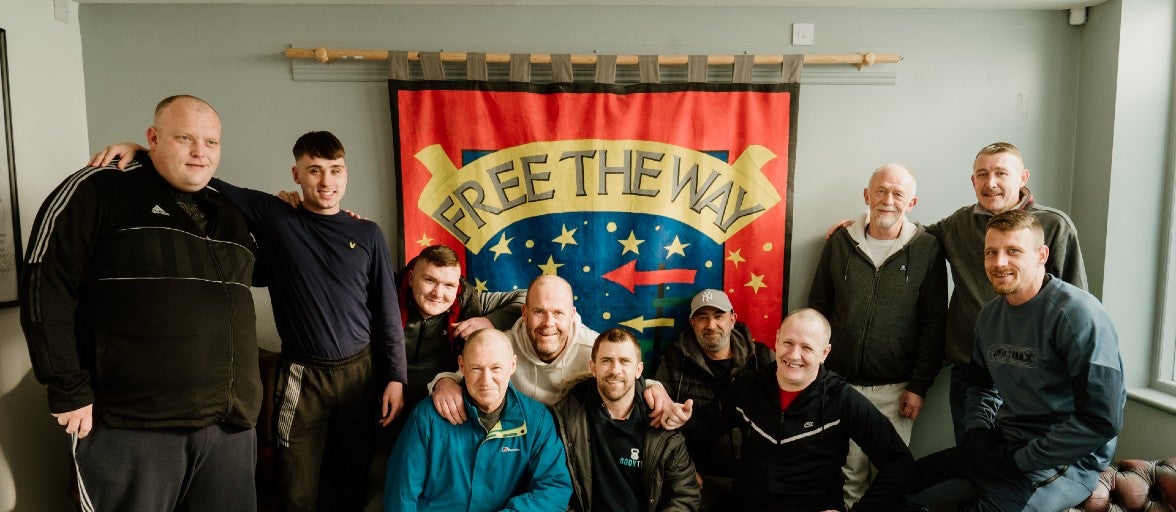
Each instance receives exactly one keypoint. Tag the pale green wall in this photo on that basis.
(49, 132)
(1121, 174)
(968, 78)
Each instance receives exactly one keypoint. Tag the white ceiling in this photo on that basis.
(1036, 5)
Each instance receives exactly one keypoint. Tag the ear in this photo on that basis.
(734, 317)
(592, 366)
(460, 366)
(825, 352)
(914, 201)
(640, 367)
(866, 196)
(514, 364)
(152, 137)
(1042, 255)
(1024, 177)
(294, 172)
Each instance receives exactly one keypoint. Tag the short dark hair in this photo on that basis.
(439, 256)
(319, 145)
(1016, 220)
(616, 335)
(1000, 147)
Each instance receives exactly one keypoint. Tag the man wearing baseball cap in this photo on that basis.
(699, 366)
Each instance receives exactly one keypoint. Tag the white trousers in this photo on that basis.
(858, 471)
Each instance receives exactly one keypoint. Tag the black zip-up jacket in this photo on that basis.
(792, 459)
(684, 373)
(128, 305)
(667, 473)
(888, 321)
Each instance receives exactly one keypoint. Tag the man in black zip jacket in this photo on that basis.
(797, 419)
(699, 366)
(136, 306)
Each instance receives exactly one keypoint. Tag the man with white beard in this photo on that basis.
(882, 283)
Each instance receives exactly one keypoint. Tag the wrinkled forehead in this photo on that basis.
(1003, 160)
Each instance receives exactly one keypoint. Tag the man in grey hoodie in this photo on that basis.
(882, 283)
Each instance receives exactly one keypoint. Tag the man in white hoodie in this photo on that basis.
(553, 348)
(882, 283)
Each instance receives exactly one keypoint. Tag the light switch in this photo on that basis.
(802, 34)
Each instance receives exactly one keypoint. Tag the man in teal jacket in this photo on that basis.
(509, 459)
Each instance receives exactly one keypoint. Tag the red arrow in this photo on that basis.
(628, 276)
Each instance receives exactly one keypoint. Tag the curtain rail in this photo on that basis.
(858, 60)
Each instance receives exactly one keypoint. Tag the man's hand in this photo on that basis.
(447, 400)
(843, 223)
(676, 415)
(391, 403)
(663, 412)
(77, 421)
(465, 328)
(291, 197)
(125, 152)
(910, 405)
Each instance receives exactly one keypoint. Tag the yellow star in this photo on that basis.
(502, 247)
(480, 285)
(676, 247)
(735, 257)
(549, 268)
(630, 244)
(425, 241)
(565, 238)
(756, 282)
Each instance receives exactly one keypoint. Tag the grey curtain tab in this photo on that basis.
(476, 67)
(561, 68)
(696, 68)
(742, 72)
(647, 69)
(793, 65)
(398, 65)
(606, 69)
(520, 67)
(431, 66)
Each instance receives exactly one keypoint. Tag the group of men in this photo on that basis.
(136, 305)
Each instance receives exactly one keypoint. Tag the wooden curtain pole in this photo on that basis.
(325, 55)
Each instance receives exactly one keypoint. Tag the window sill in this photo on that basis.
(1151, 397)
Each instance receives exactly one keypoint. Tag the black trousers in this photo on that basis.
(326, 426)
(181, 469)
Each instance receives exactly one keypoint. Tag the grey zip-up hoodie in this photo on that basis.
(888, 320)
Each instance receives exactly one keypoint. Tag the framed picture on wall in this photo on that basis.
(10, 250)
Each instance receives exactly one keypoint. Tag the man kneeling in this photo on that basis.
(510, 458)
(617, 460)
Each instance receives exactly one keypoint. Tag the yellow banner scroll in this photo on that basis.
(538, 178)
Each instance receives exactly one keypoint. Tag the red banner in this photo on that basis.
(639, 196)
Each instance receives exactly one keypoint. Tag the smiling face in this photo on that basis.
(616, 366)
(548, 315)
(802, 344)
(890, 195)
(486, 363)
(1015, 263)
(433, 287)
(184, 143)
(998, 179)
(323, 181)
(712, 328)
